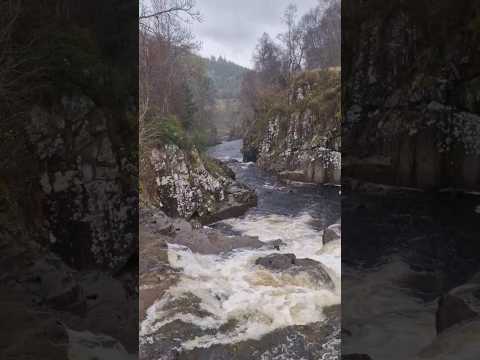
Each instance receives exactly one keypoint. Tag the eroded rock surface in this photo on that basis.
(188, 185)
(85, 172)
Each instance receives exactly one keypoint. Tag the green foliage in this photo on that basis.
(166, 130)
(189, 108)
(214, 167)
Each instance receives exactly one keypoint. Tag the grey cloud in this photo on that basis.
(231, 28)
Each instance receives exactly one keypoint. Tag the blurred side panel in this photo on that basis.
(68, 179)
(411, 179)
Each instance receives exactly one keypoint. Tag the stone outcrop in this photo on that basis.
(297, 137)
(186, 184)
(411, 104)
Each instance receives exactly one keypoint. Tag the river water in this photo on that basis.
(228, 299)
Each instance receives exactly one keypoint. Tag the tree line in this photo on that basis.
(311, 41)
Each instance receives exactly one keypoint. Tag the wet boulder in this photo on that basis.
(332, 233)
(319, 340)
(289, 264)
(238, 199)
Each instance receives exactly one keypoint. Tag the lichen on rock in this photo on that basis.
(297, 135)
(190, 185)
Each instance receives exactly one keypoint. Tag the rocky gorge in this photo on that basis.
(214, 286)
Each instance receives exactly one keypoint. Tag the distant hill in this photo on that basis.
(226, 77)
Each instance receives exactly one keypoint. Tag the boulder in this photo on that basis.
(332, 233)
(183, 183)
(289, 264)
(238, 199)
(459, 305)
(210, 241)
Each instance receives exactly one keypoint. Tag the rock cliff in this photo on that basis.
(86, 183)
(296, 134)
(184, 183)
(411, 93)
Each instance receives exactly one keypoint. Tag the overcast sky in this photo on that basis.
(231, 28)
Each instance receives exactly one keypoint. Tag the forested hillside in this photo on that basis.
(227, 80)
(226, 76)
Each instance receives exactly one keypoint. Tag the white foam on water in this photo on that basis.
(233, 289)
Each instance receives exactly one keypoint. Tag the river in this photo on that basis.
(226, 299)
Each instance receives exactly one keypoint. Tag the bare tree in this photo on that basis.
(268, 60)
(322, 35)
(164, 38)
(13, 68)
(161, 8)
(293, 41)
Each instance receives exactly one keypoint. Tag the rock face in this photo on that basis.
(83, 184)
(411, 93)
(297, 137)
(185, 184)
(68, 230)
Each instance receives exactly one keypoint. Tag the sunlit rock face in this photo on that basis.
(411, 94)
(90, 215)
(299, 139)
(188, 185)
